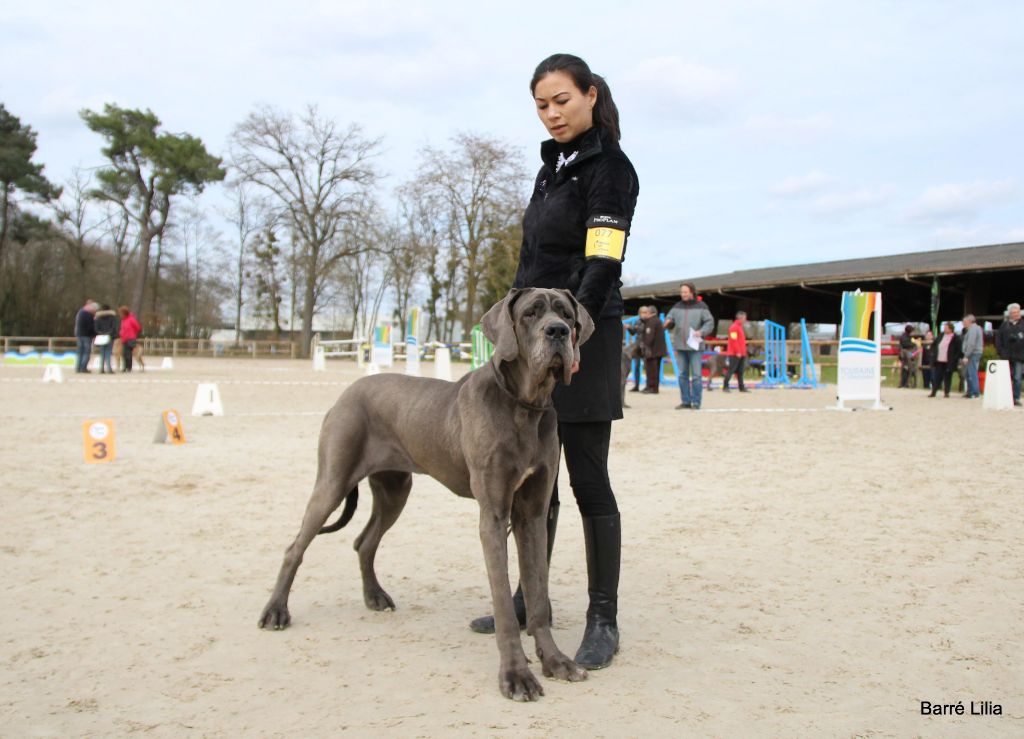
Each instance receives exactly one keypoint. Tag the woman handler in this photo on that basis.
(574, 236)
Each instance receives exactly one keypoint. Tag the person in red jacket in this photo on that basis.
(130, 330)
(736, 351)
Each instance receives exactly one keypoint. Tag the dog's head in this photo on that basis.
(542, 328)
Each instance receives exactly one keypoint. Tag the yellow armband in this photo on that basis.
(606, 237)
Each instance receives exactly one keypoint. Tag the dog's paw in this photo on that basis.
(378, 600)
(560, 667)
(519, 684)
(275, 616)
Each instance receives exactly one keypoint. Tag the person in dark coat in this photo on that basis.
(908, 356)
(85, 332)
(634, 351)
(926, 359)
(574, 237)
(945, 358)
(1010, 346)
(107, 327)
(654, 346)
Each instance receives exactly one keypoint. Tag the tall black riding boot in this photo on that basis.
(485, 624)
(603, 536)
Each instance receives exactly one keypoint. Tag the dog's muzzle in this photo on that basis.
(558, 341)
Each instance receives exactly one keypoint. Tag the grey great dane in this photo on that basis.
(491, 436)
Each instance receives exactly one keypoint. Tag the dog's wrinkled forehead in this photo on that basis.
(537, 303)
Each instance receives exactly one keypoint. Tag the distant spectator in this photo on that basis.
(85, 332)
(635, 349)
(908, 356)
(1010, 346)
(654, 348)
(130, 330)
(972, 341)
(106, 329)
(690, 321)
(736, 351)
(945, 356)
(926, 359)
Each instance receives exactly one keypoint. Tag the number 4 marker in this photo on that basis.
(170, 429)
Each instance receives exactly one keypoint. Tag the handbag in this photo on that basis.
(102, 339)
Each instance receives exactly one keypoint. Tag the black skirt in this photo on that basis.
(595, 393)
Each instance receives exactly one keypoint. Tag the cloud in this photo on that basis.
(853, 201)
(956, 236)
(789, 127)
(680, 90)
(733, 249)
(960, 201)
(800, 185)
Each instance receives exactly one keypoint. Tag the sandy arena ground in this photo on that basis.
(784, 574)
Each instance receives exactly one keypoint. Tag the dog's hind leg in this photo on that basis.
(327, 496)
(390, 493)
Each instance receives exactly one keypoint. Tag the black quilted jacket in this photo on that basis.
(598, 183)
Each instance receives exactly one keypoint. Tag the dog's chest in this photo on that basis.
(526, 475)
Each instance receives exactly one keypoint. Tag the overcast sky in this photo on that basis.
(764, 133)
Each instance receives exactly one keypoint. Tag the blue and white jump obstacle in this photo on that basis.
(775, 358)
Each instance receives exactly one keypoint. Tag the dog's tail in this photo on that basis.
(351, 501)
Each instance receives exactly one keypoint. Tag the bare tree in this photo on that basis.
(249, 215)
(358, 278)
(419, 224)
(406, 261)
(201, 246)
(473, 193)
(400, 242)
(123, 242)
(270, 282)
(73, 216)
(320, 176)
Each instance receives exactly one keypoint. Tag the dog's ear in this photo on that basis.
(499, 328)
(584, 323)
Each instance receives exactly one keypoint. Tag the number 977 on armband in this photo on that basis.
(99, 441)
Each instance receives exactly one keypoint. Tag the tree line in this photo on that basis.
(305, 230)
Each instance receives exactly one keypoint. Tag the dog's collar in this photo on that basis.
(501, 384)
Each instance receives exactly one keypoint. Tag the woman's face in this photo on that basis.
(563, 109)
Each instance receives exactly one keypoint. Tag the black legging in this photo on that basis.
(942, 372)
(127, 347)
(585, 446)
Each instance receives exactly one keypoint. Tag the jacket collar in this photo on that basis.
(589, 144)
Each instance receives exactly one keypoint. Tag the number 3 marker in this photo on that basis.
(99, 441)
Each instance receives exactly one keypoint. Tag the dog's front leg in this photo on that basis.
(530, 530)
(515, 679)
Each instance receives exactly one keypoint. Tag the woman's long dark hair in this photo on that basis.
(606, 114)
